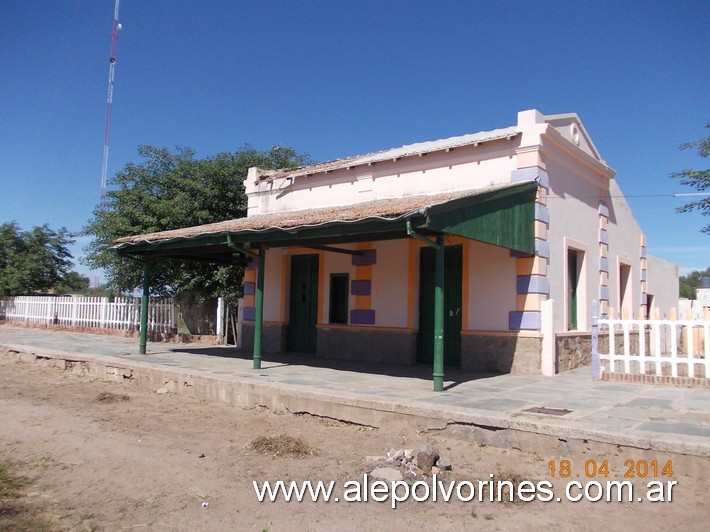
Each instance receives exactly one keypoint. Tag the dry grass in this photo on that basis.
(281, 445)
(16, 513)
(108, 397)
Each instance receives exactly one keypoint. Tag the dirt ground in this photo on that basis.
(106, 456)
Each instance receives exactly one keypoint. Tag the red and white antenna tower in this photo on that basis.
(109, 99)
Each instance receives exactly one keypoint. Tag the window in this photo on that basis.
(339, 298)
(574, 263)
(625, 302)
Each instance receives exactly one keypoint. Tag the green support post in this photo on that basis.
(144, 308)
(258, 319)
(439, 315)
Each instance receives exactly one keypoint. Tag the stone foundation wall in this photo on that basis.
(273, 337)
(389, 347)
(501, 354)
(486, 353)
(573, 350)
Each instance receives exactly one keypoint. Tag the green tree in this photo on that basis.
(34, 261)
(698, 179)
(170, 190)
(690, 283)
(73, 283)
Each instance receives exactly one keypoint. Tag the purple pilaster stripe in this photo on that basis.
(528, 174)
(604, 293)
(249, 313)
(249, 289)
(603, 236)
(604, 264)
(362, 317)
(603, 209)
(361, 287)
(542, 248)
(524, 321)
(542, 213)
(533, 284)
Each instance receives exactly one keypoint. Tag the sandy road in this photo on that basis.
(134, 459)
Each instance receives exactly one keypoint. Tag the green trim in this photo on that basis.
(411, 232)
(259, 311)
(144, 309)
(438, 374)
(572, 286)
(331, 249)
(504, 218)
(245, 251)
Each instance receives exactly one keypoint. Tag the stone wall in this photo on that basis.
(573, 350)
(488, 353)
(501, 354)
(389, 347)
(273, 337)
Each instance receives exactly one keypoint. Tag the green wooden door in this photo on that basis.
(452, 305)
(303, 306)
(572, 285)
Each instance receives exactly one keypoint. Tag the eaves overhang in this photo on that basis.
(502, 215)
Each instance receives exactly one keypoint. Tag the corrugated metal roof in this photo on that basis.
(385, 209)
(403, 151)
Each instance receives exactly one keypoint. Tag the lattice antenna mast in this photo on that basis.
(109, 99)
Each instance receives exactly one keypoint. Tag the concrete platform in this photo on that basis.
(571, 411)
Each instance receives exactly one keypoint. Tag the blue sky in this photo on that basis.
(340, 78)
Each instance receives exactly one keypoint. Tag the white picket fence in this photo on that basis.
(661, 348)
(100, 312)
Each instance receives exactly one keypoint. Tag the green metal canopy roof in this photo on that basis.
(502, 215)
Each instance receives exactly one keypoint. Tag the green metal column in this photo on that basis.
(144, 308)
(258, 319)
(439, 315)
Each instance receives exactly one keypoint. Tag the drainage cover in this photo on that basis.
(548, 411)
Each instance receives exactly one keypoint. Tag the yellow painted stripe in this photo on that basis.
(531, 266)
(363, 302)
(363, 273)
(530, 302)
(540, 230)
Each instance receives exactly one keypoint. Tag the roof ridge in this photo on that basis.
(401, 151)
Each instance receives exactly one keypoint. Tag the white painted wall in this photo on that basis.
(390, 283)
(624, 248)
(663, 285)
(573, 204)
(492, 288)
(460, 169)
(578, 179)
